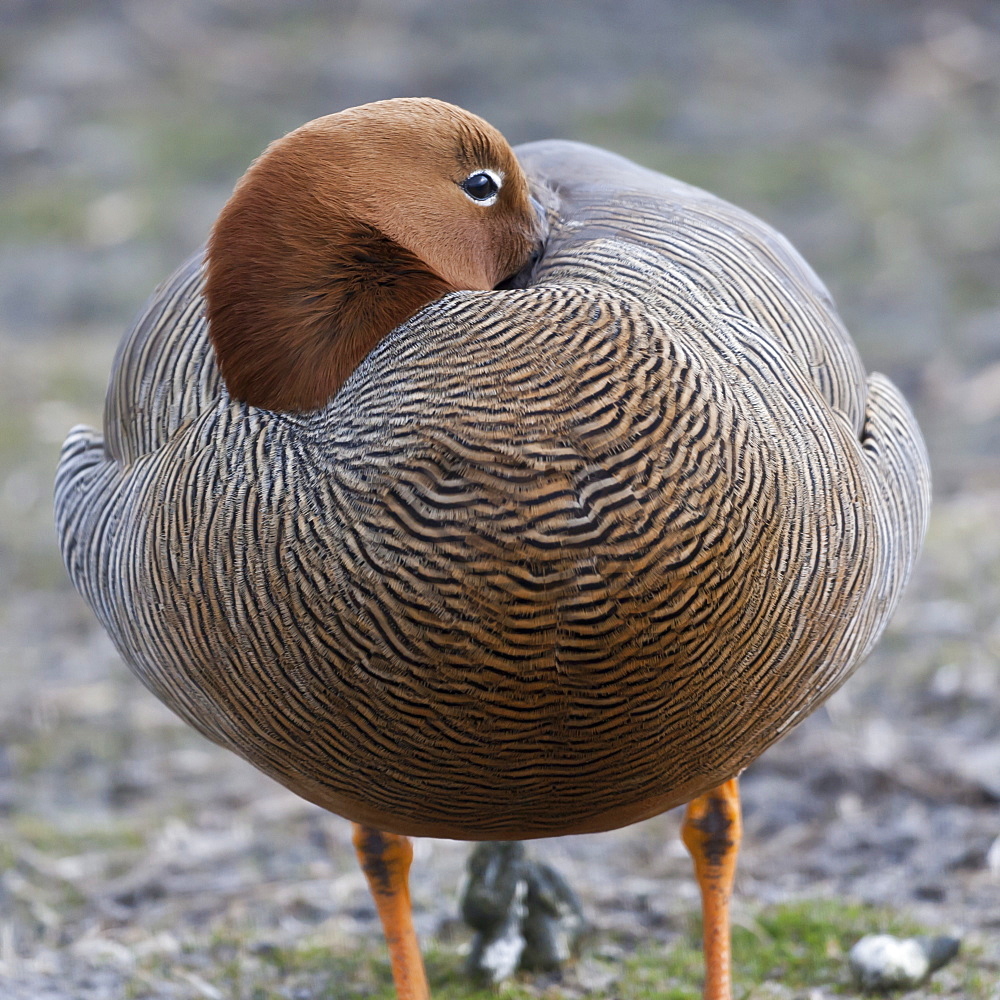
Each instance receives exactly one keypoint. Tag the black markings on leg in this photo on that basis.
(716, 825)
(372, 845)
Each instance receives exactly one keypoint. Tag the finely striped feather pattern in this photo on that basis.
(552, 560)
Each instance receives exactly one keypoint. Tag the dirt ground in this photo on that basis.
(136, 860)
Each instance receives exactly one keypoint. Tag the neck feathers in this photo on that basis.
(293, 311)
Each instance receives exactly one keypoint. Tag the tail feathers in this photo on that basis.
(83, 467)
(893, 445)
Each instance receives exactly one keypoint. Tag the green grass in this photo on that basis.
(48, 838)
(799, 945)
(804, 943)
(33, 210)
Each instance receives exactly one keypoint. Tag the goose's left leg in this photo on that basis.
(385, 859)
(712, 830)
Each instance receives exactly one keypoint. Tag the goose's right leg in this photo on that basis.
(385, 859)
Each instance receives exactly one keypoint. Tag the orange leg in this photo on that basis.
(385, 859)
(711, 831)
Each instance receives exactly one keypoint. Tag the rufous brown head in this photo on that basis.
(344, 229)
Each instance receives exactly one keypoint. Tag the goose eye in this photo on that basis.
(483, 186)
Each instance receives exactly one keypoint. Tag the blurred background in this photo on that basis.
(137, 860)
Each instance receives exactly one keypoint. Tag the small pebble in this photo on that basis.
(882, 962)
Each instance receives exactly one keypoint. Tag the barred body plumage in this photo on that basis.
(552, 560)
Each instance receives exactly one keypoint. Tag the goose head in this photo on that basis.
(344, 229)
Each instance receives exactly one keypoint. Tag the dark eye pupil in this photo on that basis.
(480, 186)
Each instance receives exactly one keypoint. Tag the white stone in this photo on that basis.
(881, 962)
